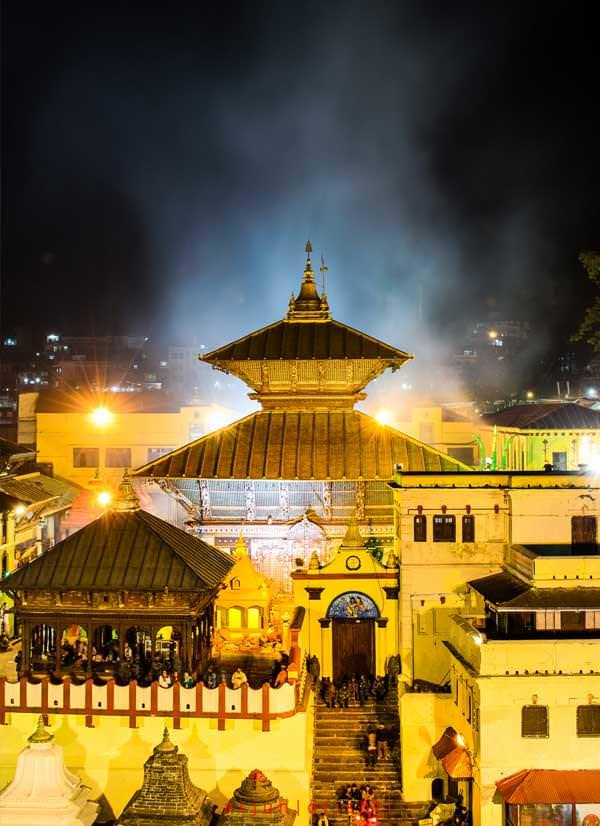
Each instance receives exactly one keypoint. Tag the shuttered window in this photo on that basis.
(468, 528)
(534, 721)
(444, 528)
(420, 529)
(588, 721)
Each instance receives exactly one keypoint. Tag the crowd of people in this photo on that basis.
(358, 803)
(356, 689)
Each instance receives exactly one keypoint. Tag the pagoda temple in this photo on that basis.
(294, 472)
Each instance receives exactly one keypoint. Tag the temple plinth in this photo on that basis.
(44, 792)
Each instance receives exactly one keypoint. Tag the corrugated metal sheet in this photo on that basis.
(499, 588)
(291, 444)
(551, 786)
(127, 550)
(577, 599)
(306, 340)
(556, 416)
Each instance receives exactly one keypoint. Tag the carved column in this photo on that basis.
(284, 501)
(205, 505)
(326, 648)
(250, 495)
(360, 500)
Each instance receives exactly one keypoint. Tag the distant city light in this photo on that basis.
(592, 392)
(384, 416)
(101, 416)
(530, 394)
(493, 334)
(10, 342)
(104, 498)
(52, 337)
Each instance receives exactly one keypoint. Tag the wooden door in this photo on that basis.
(583, 531)
(353, 644)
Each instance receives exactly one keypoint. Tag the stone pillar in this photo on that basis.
(381, 652)
(326, 652)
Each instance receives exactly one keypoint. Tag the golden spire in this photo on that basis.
(126, 497)
(308, 271)
(353, 540)
(41, 734)
(308, 305)
(240, 549)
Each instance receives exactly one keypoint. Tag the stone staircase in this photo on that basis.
(339, 758)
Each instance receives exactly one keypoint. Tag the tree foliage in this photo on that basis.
(589, 329)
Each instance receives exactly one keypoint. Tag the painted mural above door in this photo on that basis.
(353, 605)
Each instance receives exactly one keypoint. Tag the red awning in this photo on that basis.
(458, 764)
(551, 786)
(445, 744)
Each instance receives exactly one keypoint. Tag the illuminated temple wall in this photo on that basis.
(110, 757)
(270, 515)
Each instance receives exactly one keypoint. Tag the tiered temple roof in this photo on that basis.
(308, 371)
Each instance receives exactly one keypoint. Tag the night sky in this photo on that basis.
(163, 165)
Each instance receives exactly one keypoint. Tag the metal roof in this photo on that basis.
(550, 416)
(292, 444)
(551, 786)
(499, 588)
(507, 593)
(125, 550)
(306, 340)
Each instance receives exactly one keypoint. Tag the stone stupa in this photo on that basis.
(167, 796)
(257, 803)
(44, 792)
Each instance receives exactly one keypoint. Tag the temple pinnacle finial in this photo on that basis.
(241, 549)
(308, 270)
(41, 734)
(353, 539)
(166, 744)
(126, 499)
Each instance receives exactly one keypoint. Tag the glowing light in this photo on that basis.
(460, 740)
(104, 498)
(101, 416)
(592, 393)
(594, 464)
(216, 418)
(530, 394)
(20, 510)
(478, 639)
(383, 416)
(493, 334)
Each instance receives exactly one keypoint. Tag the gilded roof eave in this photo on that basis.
(311, 336)
(300, 444)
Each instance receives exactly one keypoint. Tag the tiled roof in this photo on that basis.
(125, 550)
(306, 340)
(61, 401)
(38, 488)
(550, 786)
(557, 416)
(25, 490)
(291, 444)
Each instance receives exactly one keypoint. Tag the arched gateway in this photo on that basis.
(351, 609)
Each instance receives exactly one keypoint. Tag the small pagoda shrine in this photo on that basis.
(243, 607)
(44, 792)
(128, 586)
(167, 797)
(257, 803)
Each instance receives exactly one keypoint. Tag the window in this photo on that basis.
(118, 457)
(592, 620)
(572, 621)
(588, 721)
(547, 620)
(583, 530)
(463, 454)
(444, 528)
(254, 618)
(420, 529)
(559, 459)
(86, 457)
(534, 721)
(235, 584)
(234, 619)
(468, 528)
(426, 432)
(157, 452)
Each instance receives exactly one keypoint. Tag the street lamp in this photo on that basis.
(101, 416)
